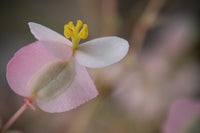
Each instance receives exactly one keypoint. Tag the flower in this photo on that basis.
(51, 70)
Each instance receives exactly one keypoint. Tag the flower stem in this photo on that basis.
(15, 116)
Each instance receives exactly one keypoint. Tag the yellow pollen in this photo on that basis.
(76, 33)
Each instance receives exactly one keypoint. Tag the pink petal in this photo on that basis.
(59, 50)
(81, 91)
(181, 114)
(26, 62)
(53, 79)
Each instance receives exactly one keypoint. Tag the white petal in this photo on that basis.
(102, 51)
(42, 33)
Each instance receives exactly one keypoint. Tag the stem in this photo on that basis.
(145, 22)
(15, 117)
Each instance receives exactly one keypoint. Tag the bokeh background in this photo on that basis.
(138, 94)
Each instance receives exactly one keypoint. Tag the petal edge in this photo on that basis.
(102, 51)
(45, 34)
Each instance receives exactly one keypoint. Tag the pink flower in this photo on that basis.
(51, 70)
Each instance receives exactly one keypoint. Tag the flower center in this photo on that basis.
(76, 33)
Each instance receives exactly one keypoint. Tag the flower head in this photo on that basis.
(51, 70)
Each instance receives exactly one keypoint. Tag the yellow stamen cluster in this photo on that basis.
(76, 33)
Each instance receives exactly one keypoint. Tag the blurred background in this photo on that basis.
(137, 94)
